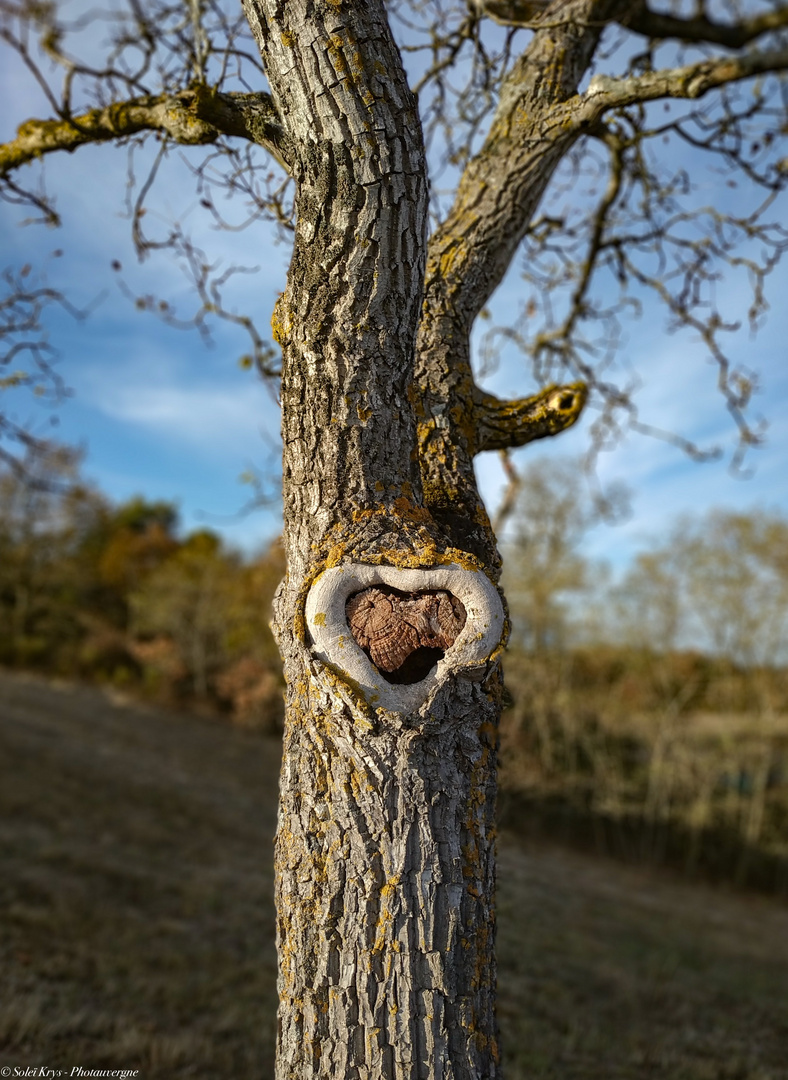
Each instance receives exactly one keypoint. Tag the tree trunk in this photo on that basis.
(384, 852)
(385, 847)
(385, 886)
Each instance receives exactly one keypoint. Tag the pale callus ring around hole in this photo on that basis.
(333, 642)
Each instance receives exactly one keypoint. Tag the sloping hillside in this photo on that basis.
(137, 920)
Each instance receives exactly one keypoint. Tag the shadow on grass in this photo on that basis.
(715, 854)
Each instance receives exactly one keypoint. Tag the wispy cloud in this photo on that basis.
(188, 414)
(217, 413)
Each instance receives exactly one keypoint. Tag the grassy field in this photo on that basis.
(136, 922)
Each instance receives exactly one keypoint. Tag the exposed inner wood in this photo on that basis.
(404, 634)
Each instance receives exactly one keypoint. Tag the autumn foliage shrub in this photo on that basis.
(116, 594)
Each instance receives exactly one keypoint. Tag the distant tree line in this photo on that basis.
(116, 593)
(649, 709)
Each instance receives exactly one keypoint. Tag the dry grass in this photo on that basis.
(613, 973)
(137, 888)
(137, 920)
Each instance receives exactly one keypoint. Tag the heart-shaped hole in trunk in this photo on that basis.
(404, 634)
(469, 637)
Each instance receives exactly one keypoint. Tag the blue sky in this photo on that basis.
(161, 413)
(678, 392)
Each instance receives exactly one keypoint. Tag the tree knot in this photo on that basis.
(404, 634)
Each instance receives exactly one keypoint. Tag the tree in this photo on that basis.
(719, 581)
(733, 567)
(385, 847)
(214, 610)
(183, 599)
(47, 578)
(136, 539)
(544, 565)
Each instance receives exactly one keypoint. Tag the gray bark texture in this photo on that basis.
(386, 839)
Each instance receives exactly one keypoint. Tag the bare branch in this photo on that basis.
(192, 117)
(701, 29)
(27, 362)
(208, 282)
(689, 82)
(511, 491)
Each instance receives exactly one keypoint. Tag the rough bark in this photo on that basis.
(385, 847)
(385, 864)
(385, 844)
(535, 124)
